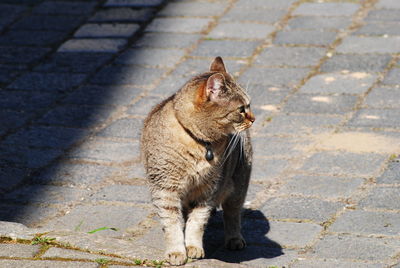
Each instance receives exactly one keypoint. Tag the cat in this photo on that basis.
(197, 154)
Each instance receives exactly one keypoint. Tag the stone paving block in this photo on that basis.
(300, 124)
(32, 38)
(225, 48)
(274, 76)
(376, 118)
(52, 82)
(62, 174)
(105, 150)
(169, 85)
(369, 44)
(193, 9)
(42, 136)
(383, 98)
(336, 83)
(64, 7)
(144, 105)
(367, 223)
(133, 3)
(28, 215)
(134, 171)
(18, 250)
(71, 62)
(320, 104)
(8, 13)
(283, 4)
(324, 263)
(112, 95)
(61, 253)
(290, 56)
(382, 197)
(278, 146)
(26, 101)
(356, 63)
(322, 186)
(266, 97)
(46, 263)
(43, 22)
(388, 4)
(359, 248)
(13, 119)
(122, 15)
(391, 174)
(264, 169)
(380, 28)
(98, 45)
(46, 194)
(326, 9)
(178, 25)
(300, 208)
(123, 128)
(305, 37)
(127, 75)
(76, 116)
(27, 156)
(107, 30)
(85, 218)
(335, 163)
(312, 22)
(167, 40)
(11, 177)
(124, 193)
(259, 14)
(262, 232)
(393, 77)
(241, 30)
(154, 57)
(8, 74)
(22, 55)
(383, 15)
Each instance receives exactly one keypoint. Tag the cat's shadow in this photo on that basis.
(255, 227)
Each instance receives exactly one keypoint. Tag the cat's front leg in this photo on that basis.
(170, 212)
(194, 231)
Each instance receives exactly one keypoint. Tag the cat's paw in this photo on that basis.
(176, 258)
(236, 243)
(195, 252)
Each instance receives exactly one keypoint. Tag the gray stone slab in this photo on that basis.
(283, 4)
(22, 55)
(383, 15)
(382, 197)
(154, 57)
(388, 4)
(167, 40)
(313, 22)
(367, 223)
(383, 97)
(122, 14)
(337, 163)
(85, 218)
(169, 85)
(327, 9)
(10, 177)
(12, 119)
(29, 215)
(347, 83)
(73, 174)
(274, 76)
(305, 37)
(64, 7)
(144, 105)
(241, 30)
(324, 263)
(359, 248)
(391, 174)
(278, 146)
(265, 169)
(43, 22)
(15, 231)
(39, 38)
(127, 75)
(263, 14)
(380, 28)
(194, 9)
(369, 44)
(376, 118)
(290, 56)
(356, 63)
(178, 25)
(106, 30)
(322, 186)
(61, 253)
(225, 48)
(300, 208)
(133, 3)
(124, 193)
(112, 95)
(265, 97)
(18, 250)
(47, 81)
(393, 77)
(47, 263)
(123, 128)
(105, 150)
(98, 45)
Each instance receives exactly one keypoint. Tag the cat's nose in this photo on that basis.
(250, 116)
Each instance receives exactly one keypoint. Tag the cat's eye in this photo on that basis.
(242, 109)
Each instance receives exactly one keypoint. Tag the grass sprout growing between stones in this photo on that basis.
(102, 261)
(102, 229)
(42, 240)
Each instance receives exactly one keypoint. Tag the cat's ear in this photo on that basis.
(214, 87)
(218, 65)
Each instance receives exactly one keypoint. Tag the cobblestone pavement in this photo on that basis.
(78, 77)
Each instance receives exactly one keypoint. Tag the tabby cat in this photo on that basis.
(197, 154)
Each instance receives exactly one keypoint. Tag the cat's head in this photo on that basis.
(220, 105)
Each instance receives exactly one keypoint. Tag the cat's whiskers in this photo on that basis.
(231, 146)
